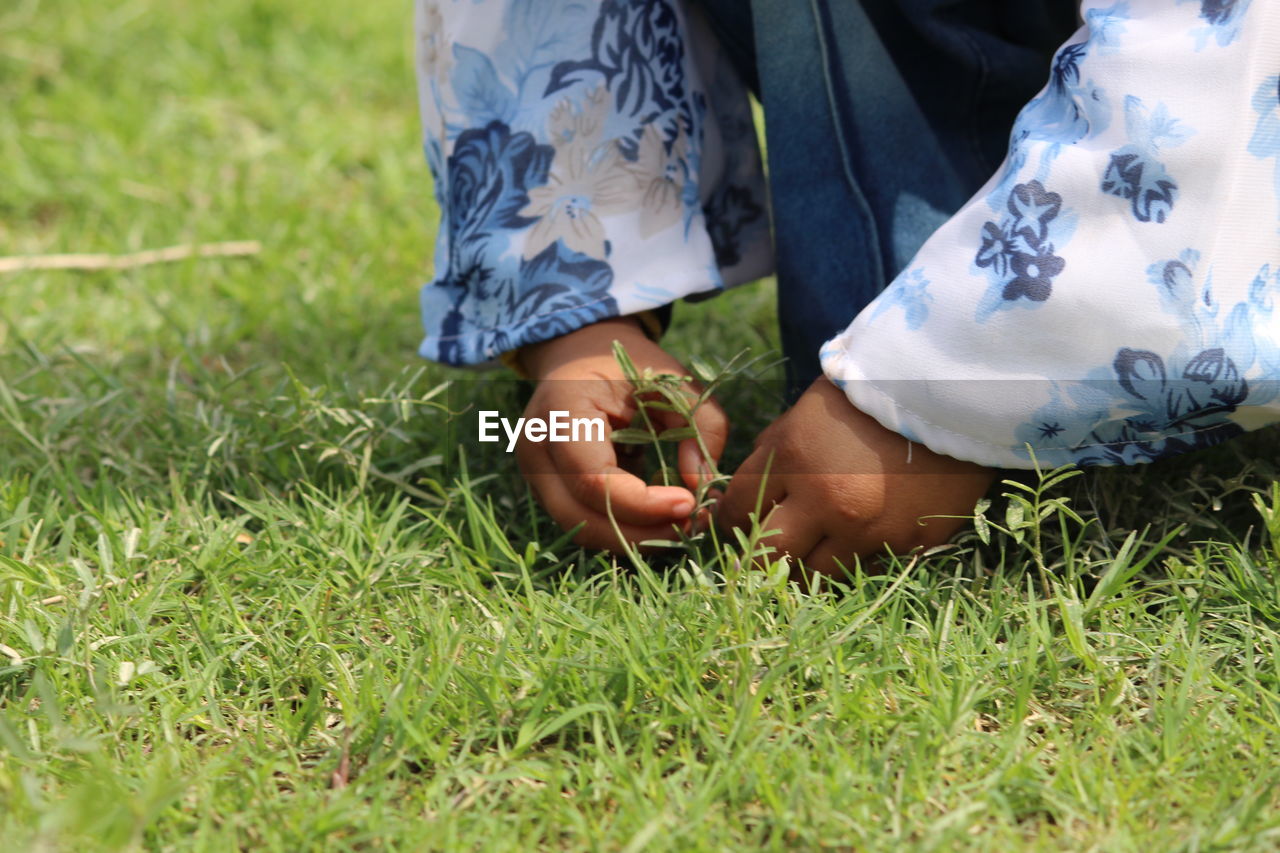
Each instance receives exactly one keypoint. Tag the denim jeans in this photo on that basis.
(882, 117)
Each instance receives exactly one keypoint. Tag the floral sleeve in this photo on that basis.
(1110, 296)
(590, 158)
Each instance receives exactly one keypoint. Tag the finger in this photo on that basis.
(606, 490)
(750, 490)
(592, 474)
(597, 529)
(617, 491)
(798, 528)
(831, 557)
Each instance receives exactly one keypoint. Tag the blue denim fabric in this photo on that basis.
(882, 118)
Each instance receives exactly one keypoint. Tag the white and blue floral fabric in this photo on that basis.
(1110, 296)
(591, 158)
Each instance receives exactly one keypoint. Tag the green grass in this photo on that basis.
(251, 597)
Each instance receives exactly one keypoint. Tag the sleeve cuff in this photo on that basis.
(654, 322)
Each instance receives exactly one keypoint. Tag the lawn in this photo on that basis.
(253, 596)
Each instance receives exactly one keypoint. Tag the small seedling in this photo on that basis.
(656, 391)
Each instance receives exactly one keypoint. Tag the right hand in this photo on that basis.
(582, 482)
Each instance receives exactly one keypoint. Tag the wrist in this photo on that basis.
(541, 359)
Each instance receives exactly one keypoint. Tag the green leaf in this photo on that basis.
(66, 638)
(702, 370)
(1270, 516)
(529, 735)
(1059, 475)
(625, 362)
(1121, 570)
(658, 405)
(678, 434)
(1073, 627)
(980, 524)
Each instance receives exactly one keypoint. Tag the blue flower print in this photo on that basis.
(636, 48)
(1106, 26)
(997, 249)
(489, 306)
(1065, 72)
(490, 176)
(1059, 111)
(1261, 291)
(1143, 182)
(1223, 18)
(1134, 173)
(557, 291)
(490, 173)
(582, 186)
(1211, 385)
(1173, 416)
(1220, 12)
(537, 35)
(1021, 247)
(910, 292)
(1033, 208)
(435, 164)
(1146, 406)
(1070, 109)
(478, 88)
(1264, 295)
(557, 132)
(449, 294)
(1141, 410)
(1033, 276)
(1175, 282)
(1266, 135)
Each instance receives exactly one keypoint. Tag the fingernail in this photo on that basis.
(684, 506)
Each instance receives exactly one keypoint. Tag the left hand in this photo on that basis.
(586, 484)
(841, 486)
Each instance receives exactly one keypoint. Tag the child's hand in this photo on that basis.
(582, 481)
(840, 485)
